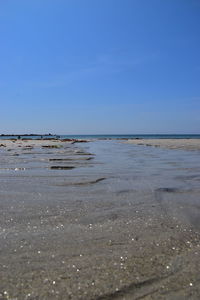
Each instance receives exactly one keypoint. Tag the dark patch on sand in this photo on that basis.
(133, 287)
(70, 159)
(52, 146)
(62, 167)
(168, 190)
(83, 153)
(83, 182)
(125, 191)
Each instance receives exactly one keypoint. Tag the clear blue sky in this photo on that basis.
(100, 66)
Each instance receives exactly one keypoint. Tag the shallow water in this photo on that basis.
(121, 225)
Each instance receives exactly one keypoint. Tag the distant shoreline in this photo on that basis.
(26, 134)
(100, 136)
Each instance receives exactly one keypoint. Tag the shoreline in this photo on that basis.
(173, 144)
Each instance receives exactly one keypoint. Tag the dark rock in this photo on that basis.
(81, 141)
(67, 140)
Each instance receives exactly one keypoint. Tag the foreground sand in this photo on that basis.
(186, 144)
(101, 220)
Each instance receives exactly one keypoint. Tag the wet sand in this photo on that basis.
(186, 144)
(111, 221)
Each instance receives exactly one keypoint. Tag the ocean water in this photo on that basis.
(133, 136)
(108, 136)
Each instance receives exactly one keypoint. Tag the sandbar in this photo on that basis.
(185, 144)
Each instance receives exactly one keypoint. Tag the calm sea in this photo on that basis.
(109, 136)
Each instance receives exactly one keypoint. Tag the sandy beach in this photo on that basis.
(99, 220)
(185, 144)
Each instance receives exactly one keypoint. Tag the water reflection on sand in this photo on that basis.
(101, 220)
